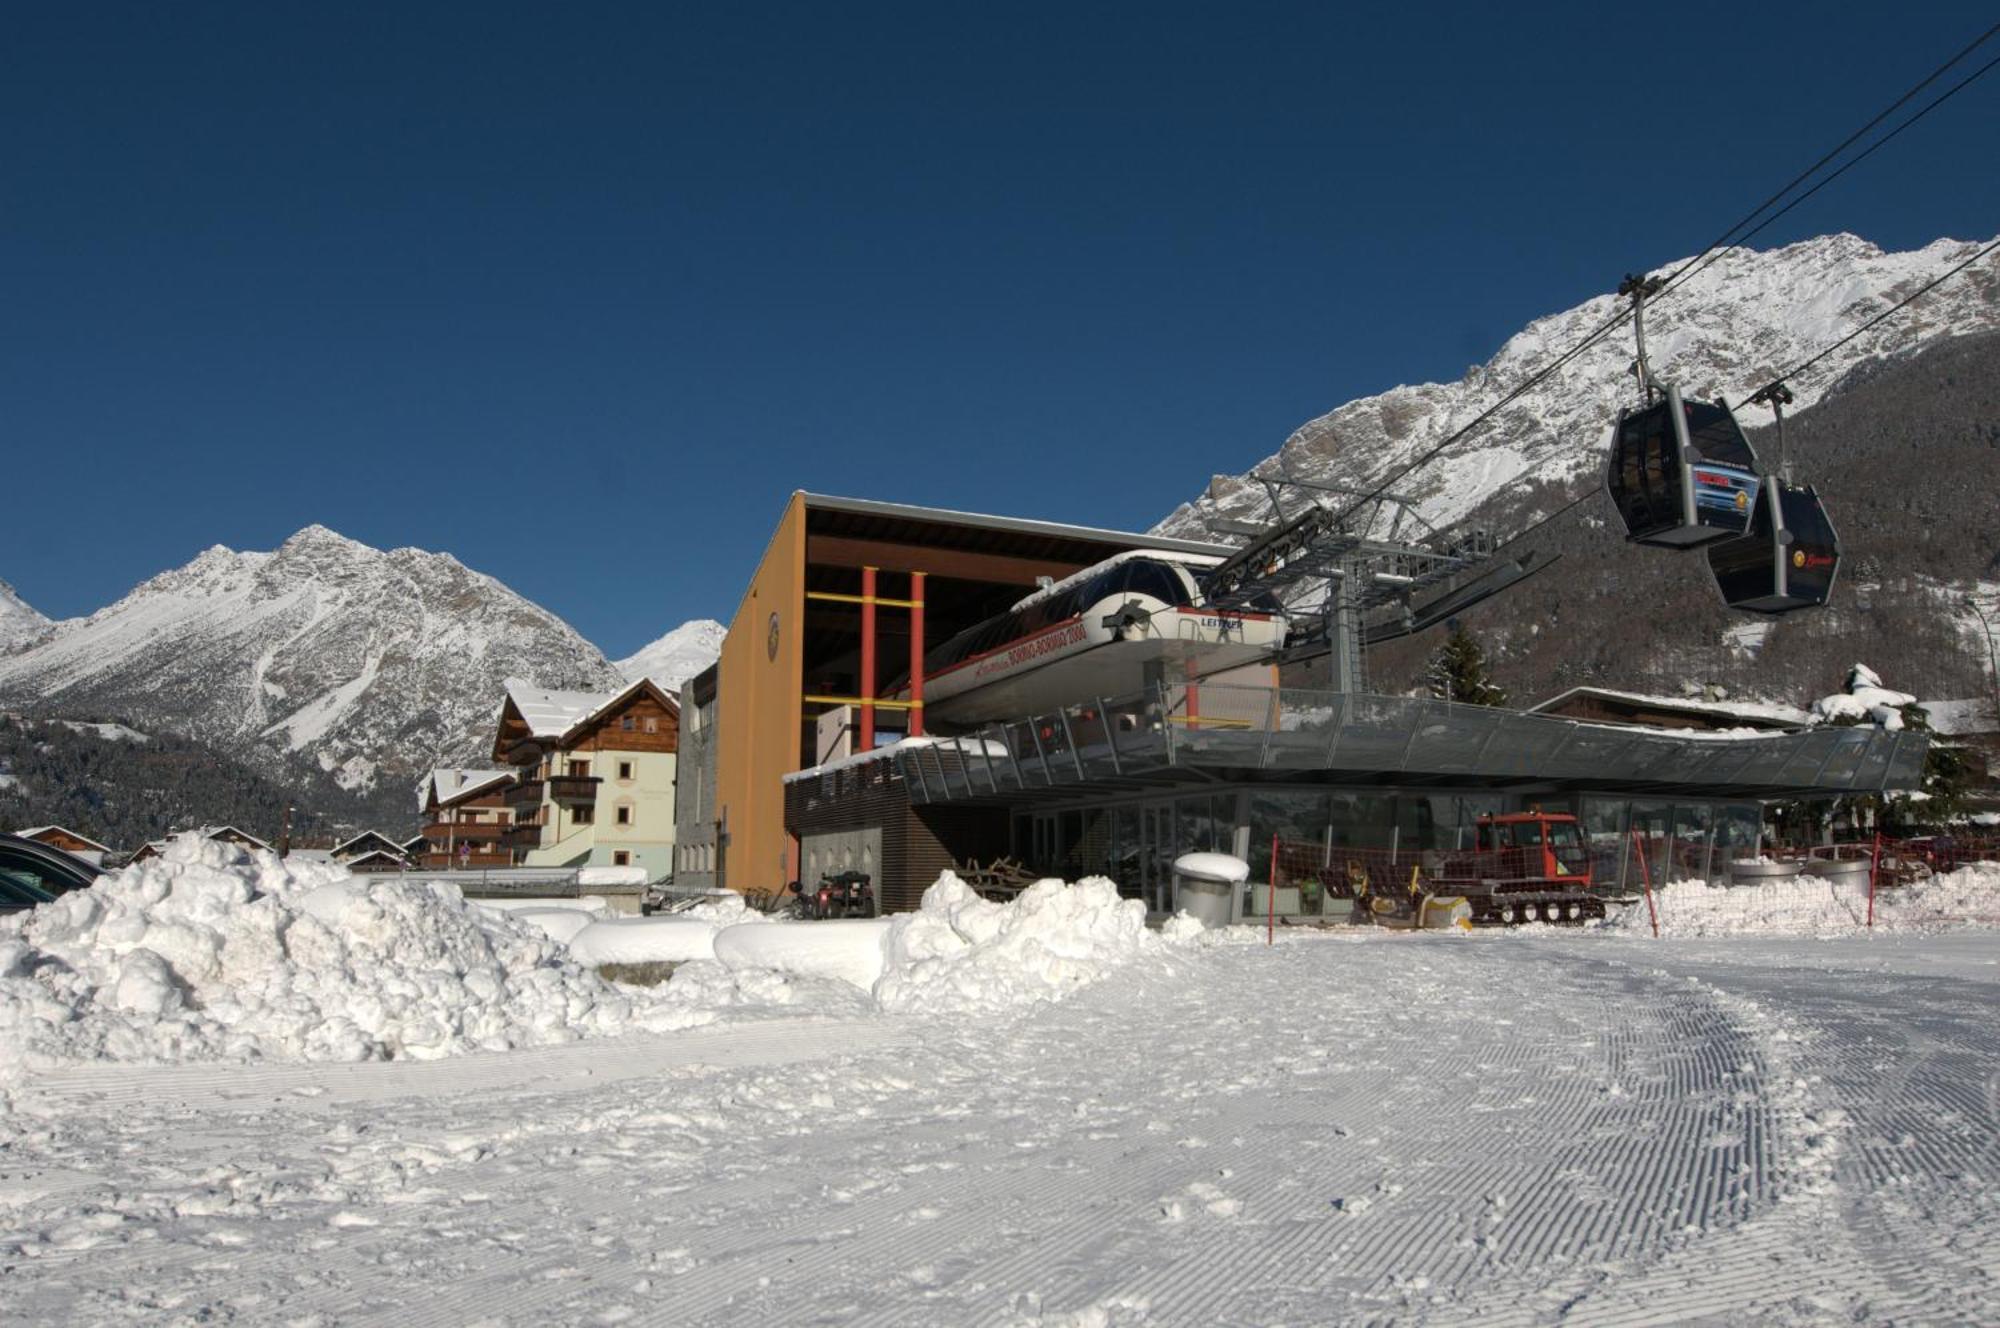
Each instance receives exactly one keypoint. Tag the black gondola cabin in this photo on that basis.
(1789, 559)
(1682, 474)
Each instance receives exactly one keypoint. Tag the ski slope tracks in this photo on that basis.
(1037, 1116)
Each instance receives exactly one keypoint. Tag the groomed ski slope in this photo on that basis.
(1501, 1128)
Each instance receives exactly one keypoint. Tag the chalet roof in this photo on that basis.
(33, 831)
(364, 836)
(616, 699)
(1762, 713)
(548, 713)
(218, 831)
(375, 856)
(449, 784)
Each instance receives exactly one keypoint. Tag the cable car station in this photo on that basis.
(1112, 700)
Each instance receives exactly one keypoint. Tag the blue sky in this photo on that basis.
(581, 294)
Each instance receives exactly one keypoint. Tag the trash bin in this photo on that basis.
(1204, 886)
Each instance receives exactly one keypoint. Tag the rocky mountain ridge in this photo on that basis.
(362, 665)
(1726, 331)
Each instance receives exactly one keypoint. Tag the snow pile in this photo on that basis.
(210, 952)
(669, 939)
(1865, 699)
(962, 953)
(846, 949)
(1814, 906)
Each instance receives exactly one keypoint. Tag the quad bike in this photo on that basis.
(847, 894)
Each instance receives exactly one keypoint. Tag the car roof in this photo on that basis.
(51, 854)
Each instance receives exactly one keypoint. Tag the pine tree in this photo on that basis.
(1458, 672)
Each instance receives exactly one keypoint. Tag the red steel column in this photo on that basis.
(867, 659)
(916, 725)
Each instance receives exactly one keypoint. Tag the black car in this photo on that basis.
(32, 873)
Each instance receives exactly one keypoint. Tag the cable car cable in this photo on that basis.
(1892, 310)
(1721, 245)
(1724, 243)
(1685, 271)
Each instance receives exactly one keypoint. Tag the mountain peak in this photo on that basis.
(20, 623)
(677, 656)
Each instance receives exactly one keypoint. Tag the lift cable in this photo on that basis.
(1723, 243)
(1241, 565)
(1776, 387)
(1729, 240)
(1919, 293)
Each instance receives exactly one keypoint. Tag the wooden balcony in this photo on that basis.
(525, 793)
(465, 832)
(574, 790)
(522, 837)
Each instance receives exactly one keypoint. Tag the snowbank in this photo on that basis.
(668, 939)
(849, 949)
(1813, 906)
(962, 953)
(588, 903)
(560, 923)
(211, 952)
(601, 876)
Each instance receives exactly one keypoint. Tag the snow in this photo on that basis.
(1813, 906)
(548, 712)
(961, 953)
(20, 623)
(450, 783)
(847, 950)
(108, 732)
(1223, 867)
(602, 876)
(211, 952)
(666, 938)
(1045, 1114)
(677, 656)
(966, 746)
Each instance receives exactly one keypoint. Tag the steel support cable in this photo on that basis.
(1793, 372)
(1730, 240)
(1723, 244)
(1694, 266)
(1890, 312)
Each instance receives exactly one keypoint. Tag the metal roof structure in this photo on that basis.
(1019, 526)
(1197, 737)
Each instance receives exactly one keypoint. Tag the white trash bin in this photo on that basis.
(1204, 884)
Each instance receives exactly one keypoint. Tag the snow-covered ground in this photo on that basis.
(1087, 1125)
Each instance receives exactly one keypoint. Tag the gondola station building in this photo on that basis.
(903, 689)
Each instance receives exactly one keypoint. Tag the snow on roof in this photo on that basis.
(218, 831)
(890, 749)
(450, 783)
(34, 831)
(365, 834)
(554, 716)
(549, 713)
(1764, 710)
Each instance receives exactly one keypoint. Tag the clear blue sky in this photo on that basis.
(581, 295)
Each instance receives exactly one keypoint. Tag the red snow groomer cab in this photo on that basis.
(1524, 867)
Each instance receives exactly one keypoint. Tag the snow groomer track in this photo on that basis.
(1509, 1128)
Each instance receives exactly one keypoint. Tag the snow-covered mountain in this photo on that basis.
(368, 664)
(19, 623)
(1727, 331)
(677, 656)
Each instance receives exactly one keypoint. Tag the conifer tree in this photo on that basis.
(1458, 672)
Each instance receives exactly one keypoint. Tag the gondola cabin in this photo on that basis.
(1789, 559)
(1682, 474)
(1101, 632)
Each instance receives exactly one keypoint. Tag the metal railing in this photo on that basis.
(1204, 729)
